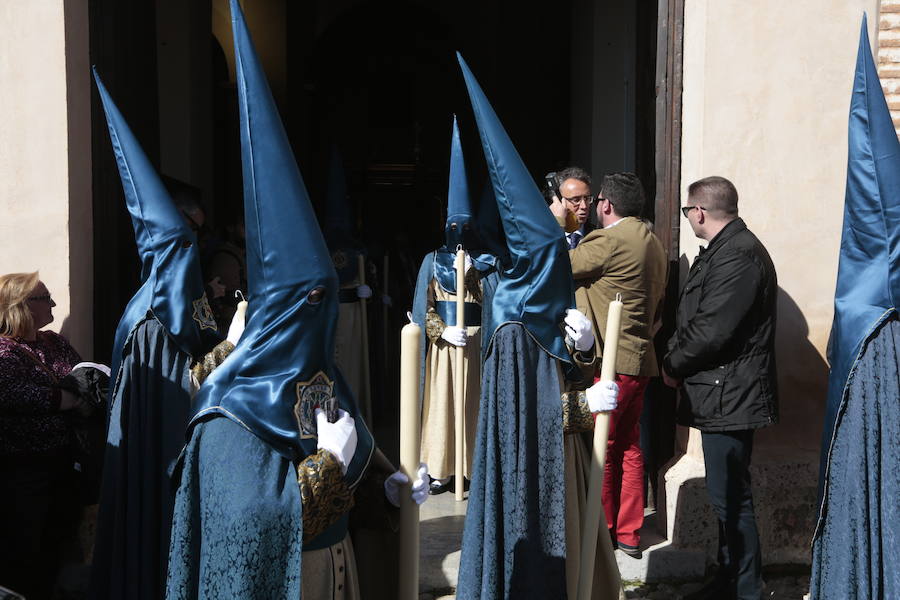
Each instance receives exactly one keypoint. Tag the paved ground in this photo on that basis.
(441, 528)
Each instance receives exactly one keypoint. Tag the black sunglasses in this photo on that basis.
(687, 209)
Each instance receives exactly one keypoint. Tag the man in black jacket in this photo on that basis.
(722, 354)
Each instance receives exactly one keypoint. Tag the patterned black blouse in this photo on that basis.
(31, 423)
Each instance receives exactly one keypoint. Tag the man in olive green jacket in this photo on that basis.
(624, 257)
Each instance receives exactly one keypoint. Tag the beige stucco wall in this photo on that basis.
(766, 97)
(45, 201)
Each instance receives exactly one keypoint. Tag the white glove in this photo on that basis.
(456, 336)
(394, 483)
(578, 327)
(468, 261)
(387, 300)
(363, 291)
(236, 329)
(339, 437)
(603, 396)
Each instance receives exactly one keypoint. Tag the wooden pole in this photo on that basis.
(410, 340)
(459, 396)
(384, 307)
(594, 509)
(366, 383)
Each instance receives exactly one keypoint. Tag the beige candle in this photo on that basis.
(594, 509)
(410, 428)
(459, 396)
(241, 310)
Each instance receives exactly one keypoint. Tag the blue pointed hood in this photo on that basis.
(536, 285)
(459, 213)
(283, 366)
(172, 283)
(461, 227)
(868, 283)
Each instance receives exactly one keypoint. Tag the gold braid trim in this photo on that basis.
(434, 326)
(215, 357)
(325, 494)
(577, 417)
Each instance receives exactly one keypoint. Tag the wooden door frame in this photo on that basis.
(669, 69)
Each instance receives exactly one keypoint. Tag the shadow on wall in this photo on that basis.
(802, 385)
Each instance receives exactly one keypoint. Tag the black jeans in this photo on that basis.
(39, 507)
(727, 458)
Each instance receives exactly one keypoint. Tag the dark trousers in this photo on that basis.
(727, 458)
(39, 507)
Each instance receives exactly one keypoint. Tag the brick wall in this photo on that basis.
(889, 55)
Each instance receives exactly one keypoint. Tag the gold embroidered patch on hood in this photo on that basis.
(203, 313)
(318, 392)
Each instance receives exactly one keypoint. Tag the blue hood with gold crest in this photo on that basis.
(535, 285)
(172, 283)
(461, 228)
(283, 366)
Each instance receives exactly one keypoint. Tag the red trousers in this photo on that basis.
(623, 481)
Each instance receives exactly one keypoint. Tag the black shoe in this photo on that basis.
(452, 484)
(437, 487)
(632, 551)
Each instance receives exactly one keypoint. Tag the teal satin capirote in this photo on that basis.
(461, 228)
(535, 284)
(283, 365)
(868, 283)
(172, 284)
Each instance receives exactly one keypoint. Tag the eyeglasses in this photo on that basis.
(44, 298)
(685, 210)
(579, 199)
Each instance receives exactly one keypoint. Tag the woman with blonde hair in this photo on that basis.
(38, 484)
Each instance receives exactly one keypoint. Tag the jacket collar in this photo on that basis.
(728, 232)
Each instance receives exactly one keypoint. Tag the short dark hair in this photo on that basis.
(573, 173)
(625, 192)
(719, 196)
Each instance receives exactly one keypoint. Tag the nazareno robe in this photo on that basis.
(150, 408)
(514, 542)
(240, 498)
(439, 361)
(858, 535)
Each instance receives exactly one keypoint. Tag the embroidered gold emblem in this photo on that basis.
(203, 313)
(339, 259)
(318, 392)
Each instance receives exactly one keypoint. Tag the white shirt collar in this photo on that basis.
(616, 223)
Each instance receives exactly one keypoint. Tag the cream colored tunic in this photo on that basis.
(348, 352)
(577, 456)
(330, 573)
(438, 414)
(578, 467)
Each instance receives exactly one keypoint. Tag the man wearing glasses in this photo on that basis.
(575, 192)
(722, 356)
(623, 257)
